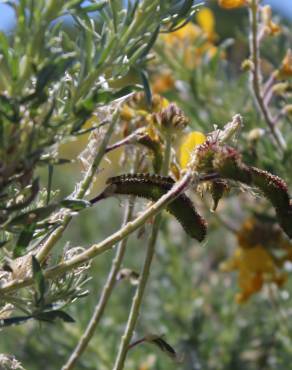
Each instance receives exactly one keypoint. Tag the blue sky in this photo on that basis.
(7, 18)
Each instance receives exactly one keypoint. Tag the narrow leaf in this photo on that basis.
(39, 279)
(75, 204)
(147, 88)
(50, 316)
(24, 239)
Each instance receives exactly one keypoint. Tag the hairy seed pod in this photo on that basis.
(276, 190)
(154, 187)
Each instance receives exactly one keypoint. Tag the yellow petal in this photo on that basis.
(188, 33)
(162, 83)
(206, 20)
(231, 4)
(258, 259)
(189, 144)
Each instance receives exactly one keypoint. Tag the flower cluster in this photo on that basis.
(190, 46)
(259, 258)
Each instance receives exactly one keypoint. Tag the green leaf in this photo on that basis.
(75, 204)
(163, 346)
(3, 242)
(150, 44)
(147, 88)
(53, 71)
(23, 241)
(102, 97)
(8, 109)
(11, 321)
(33, 216)
(34, 189)
(50, 180)
(50, 316)
(39, 280)
(93, 7)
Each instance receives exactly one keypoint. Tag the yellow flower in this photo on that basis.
(162, 83)
(249, 284)
(257, 259)
(189, 144)
(273, 28)
(127, 113)
(254, 258)
(188, 33)
(231, 4)
(206, 21)
(190, 43)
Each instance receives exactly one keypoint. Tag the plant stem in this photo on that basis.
(137, 300)
(138, 297)
(107, 243)
(256, 76)
(84, 185)
(104, 297)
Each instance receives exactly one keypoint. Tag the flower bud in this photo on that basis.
(171, 118)
(247, 65)
(281, 88)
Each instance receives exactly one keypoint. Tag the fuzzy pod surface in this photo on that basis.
(153, 187)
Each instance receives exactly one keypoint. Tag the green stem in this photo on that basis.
(256, 76)
(104, 297)
(137, 300)
(144, 276)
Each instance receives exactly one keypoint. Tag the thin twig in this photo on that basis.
(84, 185)
(144, 276)
(132, 138)
(104, 297)
(137, 300)
(256, 76)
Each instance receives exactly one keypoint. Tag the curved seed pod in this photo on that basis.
(273, 187)
(227, 162)
(153, 187)
(276, 190)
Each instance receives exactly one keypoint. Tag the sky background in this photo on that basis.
(7, 18)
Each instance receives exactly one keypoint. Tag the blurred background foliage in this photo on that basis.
(189, 299)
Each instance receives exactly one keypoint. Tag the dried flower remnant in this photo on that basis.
(285, 70)
(270, 27)
(257, 258)
(8, 362)
(171, 119)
